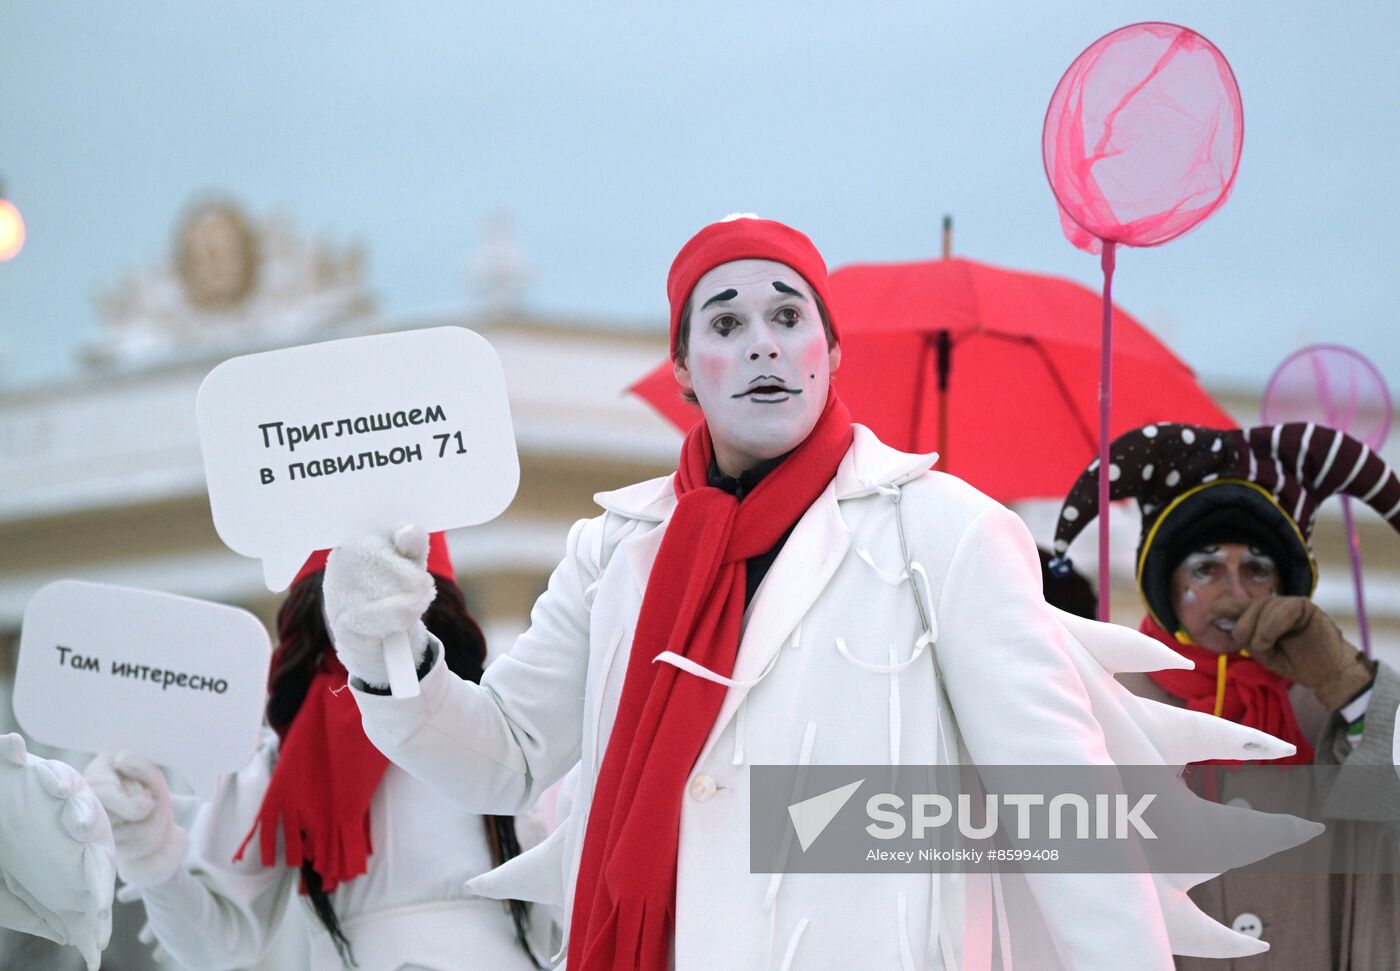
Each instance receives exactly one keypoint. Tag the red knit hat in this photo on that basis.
(744, 238)
(439, 560)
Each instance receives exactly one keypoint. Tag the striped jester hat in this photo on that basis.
(1196, 486)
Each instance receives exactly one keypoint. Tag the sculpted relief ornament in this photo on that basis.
(232, 285)
(216, 256)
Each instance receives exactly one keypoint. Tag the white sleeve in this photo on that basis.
(495, 747)
(215, 913)
(17, 915)
(56, 853)
(1018, 700)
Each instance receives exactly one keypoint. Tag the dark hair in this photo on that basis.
(683, 335)
(1072, 592)
(302, 639)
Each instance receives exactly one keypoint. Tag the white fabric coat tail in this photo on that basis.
(830, 670)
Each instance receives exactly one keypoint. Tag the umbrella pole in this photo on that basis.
(943, 428)
(916, 413)
(945, 360)
(945, 351)
(1105, 399)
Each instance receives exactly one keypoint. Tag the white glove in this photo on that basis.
(373, 588)
(150, 847)
(56, 874)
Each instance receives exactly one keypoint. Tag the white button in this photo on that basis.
(1249, 925)
(703, 788)
(1239, 802)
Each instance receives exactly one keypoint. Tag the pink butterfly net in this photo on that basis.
(1331, 385)
(1142, 137)
(1335, 386)
(1141, 142)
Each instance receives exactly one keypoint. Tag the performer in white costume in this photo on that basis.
(380, 860)
(796, 593)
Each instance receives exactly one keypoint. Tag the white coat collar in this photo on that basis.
(868, 464)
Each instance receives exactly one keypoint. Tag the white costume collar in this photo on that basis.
(868, 464)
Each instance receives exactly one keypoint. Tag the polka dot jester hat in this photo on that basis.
(1197, 486)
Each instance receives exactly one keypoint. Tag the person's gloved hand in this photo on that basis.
(56, 875)
(375, 587)
(1295, 639)
(150, 847)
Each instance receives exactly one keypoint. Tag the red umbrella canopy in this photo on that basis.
(1009, 360)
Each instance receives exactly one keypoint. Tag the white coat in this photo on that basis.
(408, 910)
(830, 670)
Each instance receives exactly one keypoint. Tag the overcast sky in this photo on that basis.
(610, 131)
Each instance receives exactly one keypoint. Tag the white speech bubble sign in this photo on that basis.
(310, 447)
(182, 682)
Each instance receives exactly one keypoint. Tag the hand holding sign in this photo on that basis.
(311, 447)
(180, 681)
(150, 847)
(376, 588)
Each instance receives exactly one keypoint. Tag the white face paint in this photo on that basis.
(757, 360)
(1207, 575)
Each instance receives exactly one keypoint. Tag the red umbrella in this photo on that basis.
(996, 369)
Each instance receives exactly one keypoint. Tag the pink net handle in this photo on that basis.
(1142, 136)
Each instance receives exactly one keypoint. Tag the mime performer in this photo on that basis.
(797, 592)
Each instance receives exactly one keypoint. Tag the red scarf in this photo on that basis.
(326, 774)
(1254, 695)
(625, 898)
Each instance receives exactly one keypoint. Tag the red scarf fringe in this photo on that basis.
(327, 772)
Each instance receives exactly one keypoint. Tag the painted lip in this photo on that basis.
(767, 386)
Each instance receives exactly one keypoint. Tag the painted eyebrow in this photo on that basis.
(720, 297)
(782, 287)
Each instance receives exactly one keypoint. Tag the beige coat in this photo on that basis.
(1339, 921)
